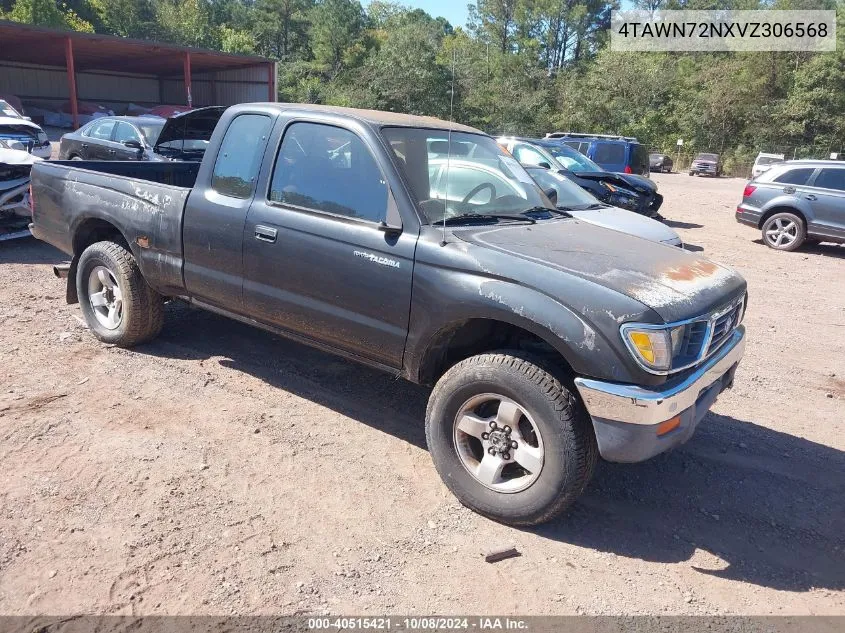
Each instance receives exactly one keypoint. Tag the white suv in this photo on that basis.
(763, 162)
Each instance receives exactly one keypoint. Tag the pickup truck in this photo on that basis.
(548, 341)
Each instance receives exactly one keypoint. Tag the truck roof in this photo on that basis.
(375, 117)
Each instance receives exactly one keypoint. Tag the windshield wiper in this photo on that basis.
(469, 217)
(560, 211)
(594, 205)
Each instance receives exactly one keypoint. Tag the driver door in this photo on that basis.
(317, 261)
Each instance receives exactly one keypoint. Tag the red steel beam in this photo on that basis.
(271, 81)
(186, 69)
(71, 81)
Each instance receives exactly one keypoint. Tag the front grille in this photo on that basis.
(695, 339)
(723, 327)
(705, 336)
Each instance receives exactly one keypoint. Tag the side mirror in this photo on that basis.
(544, 165)
(551, 194)
(392, 225)
(133, 144)
(389, 229)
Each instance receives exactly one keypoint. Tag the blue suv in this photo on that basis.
(622, 154)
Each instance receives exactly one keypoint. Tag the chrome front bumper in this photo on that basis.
(626, 417)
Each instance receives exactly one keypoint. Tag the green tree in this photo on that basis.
(47, 13)
(186, 22)
(281, 27)
(129, 18)
(336, 27)
(234, 40)
(403, 74)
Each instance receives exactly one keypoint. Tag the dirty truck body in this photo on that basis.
(548, 340)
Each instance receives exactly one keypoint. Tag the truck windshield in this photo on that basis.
(475, 178)
(572, 159)
(569, 195)
(151, 131)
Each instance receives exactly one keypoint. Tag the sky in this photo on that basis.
(453, 10)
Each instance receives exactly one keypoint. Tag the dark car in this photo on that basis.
(548, 340)
(183, 136)
(622, 154)
(706, 164)
(660, 162)
(627, 191)
(796, 202)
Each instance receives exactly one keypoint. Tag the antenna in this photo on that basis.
(449, 146)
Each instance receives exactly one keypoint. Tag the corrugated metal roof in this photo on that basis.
(43, 46)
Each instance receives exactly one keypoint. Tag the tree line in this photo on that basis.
(521, 67)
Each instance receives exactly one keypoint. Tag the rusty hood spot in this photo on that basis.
(700, 269)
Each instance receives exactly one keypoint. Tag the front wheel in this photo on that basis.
(118, 305)
(784, 232)
(508, 439)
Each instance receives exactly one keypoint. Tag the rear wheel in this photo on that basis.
(508, 439)
(117, 303)
(784, 232)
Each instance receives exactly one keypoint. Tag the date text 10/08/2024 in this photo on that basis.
(417, 624)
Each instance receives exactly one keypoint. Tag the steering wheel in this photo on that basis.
(476, 190)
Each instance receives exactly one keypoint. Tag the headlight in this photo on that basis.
(654, 347)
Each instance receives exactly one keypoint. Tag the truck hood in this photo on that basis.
(629, 181)
(628, 222)
(674, 283)
(10, 120)
(16, 157)
(195, 125)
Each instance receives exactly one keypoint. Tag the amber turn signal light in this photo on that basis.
(668, 426)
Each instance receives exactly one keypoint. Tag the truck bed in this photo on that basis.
(176, 174)
(143, 201)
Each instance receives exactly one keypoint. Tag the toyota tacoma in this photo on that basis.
(548, 341)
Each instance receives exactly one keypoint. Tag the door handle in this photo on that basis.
(111, 151)
(265, 233)
(811, 197)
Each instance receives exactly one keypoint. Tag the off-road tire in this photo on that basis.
(570, 450)
(143, 309)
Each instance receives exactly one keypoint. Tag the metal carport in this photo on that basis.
(41, 64)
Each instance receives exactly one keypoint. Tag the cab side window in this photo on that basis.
(610, 153)
(796, 176)
(328, 169)
(240, 155)
(125, 132)
(102, 130)
(831, 179)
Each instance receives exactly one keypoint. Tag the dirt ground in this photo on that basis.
(221, 470)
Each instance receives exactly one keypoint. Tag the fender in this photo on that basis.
(581, 339)
(788, 201)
